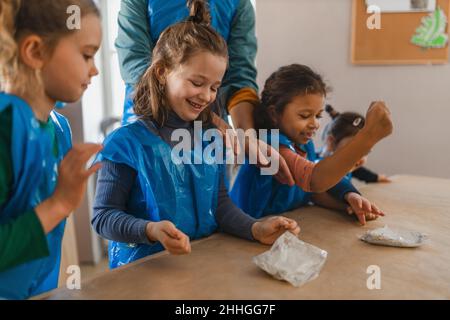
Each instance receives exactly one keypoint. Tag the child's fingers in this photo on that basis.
(365, 205)
(283, 223)
(286, 224)
(173, 232)
(172, 243)
(179, 250)
(350, 210)
(371, 216)
(295, 231)
(178, 239)
(178, 246)
(184, 241)
(174, 247)
(291, 224)
(82, 154)
(377, 211)
(81, 148)
(88, 151)
(187, 245)
(92, 169)
(272, 225)
(358, 203)
(359, 214)
(68, 158)
(361, 217)
(77, 157)
(383, 178)
(275, 232)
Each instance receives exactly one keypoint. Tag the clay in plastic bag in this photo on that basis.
(292, 260)
(394, 238)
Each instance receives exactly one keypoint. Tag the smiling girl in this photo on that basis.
(292, 101)
(145, 202)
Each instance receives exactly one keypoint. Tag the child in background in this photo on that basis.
(292, 101)
(147, 202)
(342, 128)
(42, 178)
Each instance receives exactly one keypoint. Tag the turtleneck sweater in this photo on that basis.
(116, 181)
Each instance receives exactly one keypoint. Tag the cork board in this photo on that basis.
(392, 43)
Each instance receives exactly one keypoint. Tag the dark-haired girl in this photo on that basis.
(292, 103)
(343, 127)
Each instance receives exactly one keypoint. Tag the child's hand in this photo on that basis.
(378, 121)
(172, 239)
(70, 187)
(383, 178)
(73, 176)
(362, 207)
(268, 230)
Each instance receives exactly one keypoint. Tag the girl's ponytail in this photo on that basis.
(343, 125)
(198, 12)
(331, 111)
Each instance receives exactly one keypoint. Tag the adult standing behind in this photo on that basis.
(142, 21)
(140, 25)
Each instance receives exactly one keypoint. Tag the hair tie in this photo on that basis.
(196, 20)
(357, 122)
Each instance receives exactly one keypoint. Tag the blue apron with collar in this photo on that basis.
(185, 194)
(164, 13)
(35, 172)
(261, 195)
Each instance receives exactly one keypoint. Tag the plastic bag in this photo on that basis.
(394, 238)
(292, 260)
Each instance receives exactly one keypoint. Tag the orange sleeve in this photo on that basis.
(300, 167)
(244, 94)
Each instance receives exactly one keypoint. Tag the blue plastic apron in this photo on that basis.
(185, 194)
(35, 171)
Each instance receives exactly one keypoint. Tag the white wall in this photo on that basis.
(317, 33)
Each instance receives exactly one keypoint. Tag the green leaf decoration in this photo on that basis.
(432, 34)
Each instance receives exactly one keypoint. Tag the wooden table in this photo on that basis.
(221, 267)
